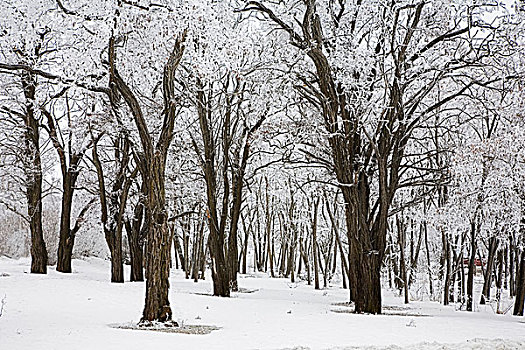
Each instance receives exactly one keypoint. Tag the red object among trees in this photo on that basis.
(477, 262)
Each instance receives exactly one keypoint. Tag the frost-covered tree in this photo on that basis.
(376, 71)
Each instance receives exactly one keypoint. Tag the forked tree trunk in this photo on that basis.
(113, 205)
(70, 169)
(158, 238)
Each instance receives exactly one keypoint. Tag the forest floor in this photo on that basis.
(82, 310)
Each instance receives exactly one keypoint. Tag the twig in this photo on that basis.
(2, 304)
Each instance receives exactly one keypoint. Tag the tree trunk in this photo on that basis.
(485, 294)
(219, 271)
(368, 293)
(344, 265)
(512, 282)
(352, 248)
(415, 257)
(152, 167)
(67, 239)
(33, 170)
(246, 229)
(471, 266)
(158, 245)
(314, 243)
(136, 236)
(401, 231)
(506, 267)
(178, 250)
(520, 288)
(448, 270)
(136, 249)
(269, 225)
(117, 267)
(429, 268)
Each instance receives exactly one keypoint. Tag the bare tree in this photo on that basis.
(152, 168)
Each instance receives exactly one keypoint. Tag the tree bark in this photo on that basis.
(158, 245)
(471, 266)
(67, 239)
(520, 288)
(33, 169)
(136, 234)
(314, 243)
(485, 294)
(401, 231)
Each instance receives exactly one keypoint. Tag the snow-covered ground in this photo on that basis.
(77, 311)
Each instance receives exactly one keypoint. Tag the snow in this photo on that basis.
(79, 310)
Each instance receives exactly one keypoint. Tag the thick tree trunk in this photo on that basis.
(66, 238)
(117, 266)
(33, 173)
(368, 291)
(219, 271)
(158, 246)
(33, 169)
(38, 247)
